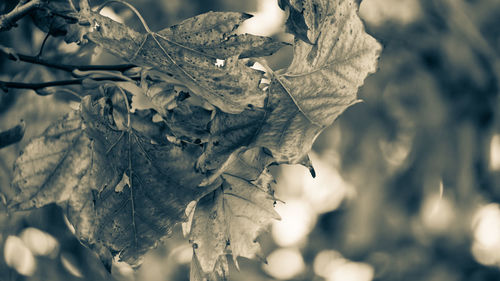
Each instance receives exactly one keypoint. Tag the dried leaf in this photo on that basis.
(58, 18)
(218, 274)
(51, 165)
(295, 22)
(189, 123)
(305, 17)
(211, 34)
(321, 82)
(323, 79)
(287, 133)
(228, 133)
(130, 219)
(230, 219)
(182, 51)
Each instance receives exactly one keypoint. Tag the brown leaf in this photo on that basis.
(182, 52)
(52, 165)
(321, 82)
(230, 219)
(131, 218)
(228, 133)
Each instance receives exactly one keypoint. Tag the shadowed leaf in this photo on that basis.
(228, 133)
(129, 219)
(305, 17)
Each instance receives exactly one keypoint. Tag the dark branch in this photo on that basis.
(65, 67)
(12, 135)
(37, 86)
(9, 20)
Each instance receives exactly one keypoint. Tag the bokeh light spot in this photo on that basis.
(377, 12)
(268, 19)
(437, 212)
(70, 264)
(495, 153)
(40, 242)
(327, 190)
(330, 265)
(297, 220)
(486, 226)
(284, 263)
(18, 256)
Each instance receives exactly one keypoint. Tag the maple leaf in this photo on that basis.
(130, 218)
(189, 52)
(51, 165)
(230, 219)
(320, 83)
(228, 133)
(220, 271)
(125, 181)
(305, 17)
(56, 18)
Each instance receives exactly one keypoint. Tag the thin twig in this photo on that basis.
(38, 86)
(43, 44)
(9, 20)
(66, 67)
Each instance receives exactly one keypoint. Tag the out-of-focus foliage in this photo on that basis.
(407, 182)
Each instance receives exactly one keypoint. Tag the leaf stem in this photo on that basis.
(65, 67)
(36, 86)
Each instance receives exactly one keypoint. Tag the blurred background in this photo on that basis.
(408, 182)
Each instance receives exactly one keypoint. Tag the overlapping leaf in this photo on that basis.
(228, 133)
(230, 219)
(305, 17)
(321, 82)
(52, 165)
(129, 219)
(189, 51)
(124, 180)
(55, 17)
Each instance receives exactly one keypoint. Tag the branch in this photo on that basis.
(12, 135)
(9, 20)
(37, 86)
(66, 67)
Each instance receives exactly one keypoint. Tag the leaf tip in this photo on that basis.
(247, 16)
(312, 171)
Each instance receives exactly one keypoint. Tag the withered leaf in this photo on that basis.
(58, 18)
(228, 133)
(321, 82)
(219, 273)
(230, 219)
(305, 17)
(131, 219)
(212, 34)
(189, 52)
(188, 122)
(52, 165)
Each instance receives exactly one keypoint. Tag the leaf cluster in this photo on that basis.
(191, 140)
